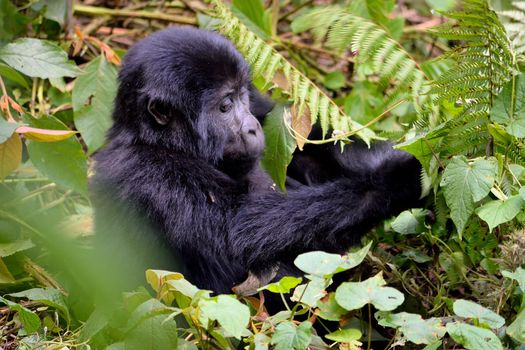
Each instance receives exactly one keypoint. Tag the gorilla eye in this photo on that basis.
(226, 105)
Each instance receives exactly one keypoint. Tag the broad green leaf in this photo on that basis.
(97, 321)
(469, 309)
(64, 162)
(182, 286)
(93, 97)
(38, 58)
(28, 318)
(54, 10)
(410, 221)
(516, 329)
(44, 135)
(11, 74)
(413, 326)
(472, 337)
(348, 335)
(498, 212)
(148, 309)
(47, 296)
(288, 336)
(441, 5)
(464, 184)
(6, 129)
(153, 333)
(518, 276)
(355, 295)
(261, 341)
(310, 293)
(423, 147)
(255, 13)
(334, 80)
(10, 155)
(231, 314)
(323, 264)
(509, 106)
(280, 145)
(284, 285)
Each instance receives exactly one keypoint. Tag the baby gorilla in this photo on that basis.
(181, 171)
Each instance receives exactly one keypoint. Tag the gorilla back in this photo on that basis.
(181, 171)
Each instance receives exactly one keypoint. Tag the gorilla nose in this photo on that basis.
(250, 126)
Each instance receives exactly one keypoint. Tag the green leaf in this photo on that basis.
(28, 318)
(334, 80)
(254, 11)
(64, 162)
(10, 155)
(464, 184)
(441, 5)
(348, 335)
(469, 309)
(11, 74)
(92, 99)
(454, 265)
(498, 212)
(280, 145)
(232, 315)
(518, 276)
(355, 295)
(516, 330)
(410, 221)
(153, 333)
(329, 309)
(423, 147)
(55, 10)
(323, 264)
(12, 23)
(288, 336)
(472, 337)
(509, 106)
(310, 293)
(6, 129)
(38, 58)
(413, 326)
(284, 285)
(47, 296)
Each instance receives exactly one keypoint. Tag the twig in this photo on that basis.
(102, 11)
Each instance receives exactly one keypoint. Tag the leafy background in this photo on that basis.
(444, 79)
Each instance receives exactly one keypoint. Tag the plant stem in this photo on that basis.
(102, 11)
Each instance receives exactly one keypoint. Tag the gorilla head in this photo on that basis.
(184, 84)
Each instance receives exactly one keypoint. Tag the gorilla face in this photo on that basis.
(243, 135)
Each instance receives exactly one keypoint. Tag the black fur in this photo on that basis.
(174, 174)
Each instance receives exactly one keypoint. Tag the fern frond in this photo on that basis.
(343, 30)
(484, 63)
(266, 62)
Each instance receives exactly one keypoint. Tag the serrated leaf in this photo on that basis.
(469, 309)
(472, 337)
(280, 145)
(92, 98)
(464, 184)
(498, 212)
(355, 295)
(413, 326)
(509, 106)
(10, 155)
(231, 314)
(47, 296)
(288, 336)
(28, 318)
(38, 58)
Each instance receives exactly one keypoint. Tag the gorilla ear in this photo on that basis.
(162, 113)
(260, 105)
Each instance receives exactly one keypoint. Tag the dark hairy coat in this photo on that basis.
(174, 188)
